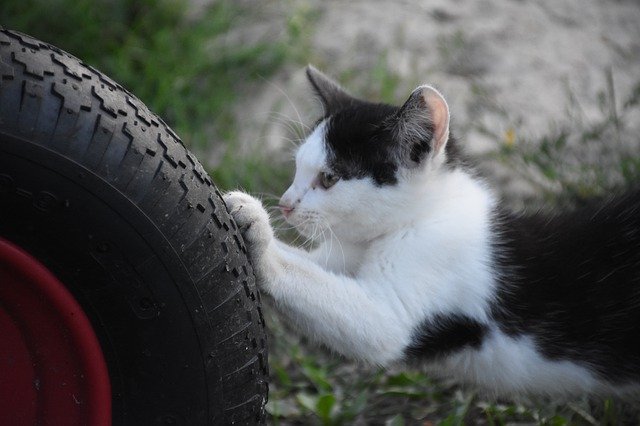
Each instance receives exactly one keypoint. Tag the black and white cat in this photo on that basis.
(417, 261)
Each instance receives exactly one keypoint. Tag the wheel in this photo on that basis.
(115, 239)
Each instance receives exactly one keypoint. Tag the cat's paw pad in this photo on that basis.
(252, 220)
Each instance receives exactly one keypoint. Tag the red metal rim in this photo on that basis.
(52, 367)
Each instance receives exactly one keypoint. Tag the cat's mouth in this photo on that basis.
(286, 210)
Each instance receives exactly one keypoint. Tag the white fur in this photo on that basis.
(507, 365)
(389, 257)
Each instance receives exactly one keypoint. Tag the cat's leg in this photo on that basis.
(330, 253)
(339, 311)
(240, 206)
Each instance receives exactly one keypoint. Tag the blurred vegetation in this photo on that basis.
(591, 158)
(184, 67)
(180, 65)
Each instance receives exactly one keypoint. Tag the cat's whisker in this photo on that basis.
(298, 226)
(282, 222)
(266, 196)
(309, 239)
(291, 152)
(320, 228)
(275, 210)
(328, 253)
(295, 109)
(292, 143)
(278, 220)
(304, 243)
(314, 234)
(282, 228)
(334, 236)
(293, 127)
(282, 118)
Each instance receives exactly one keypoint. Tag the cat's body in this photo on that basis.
(574, 285)
(417, 261)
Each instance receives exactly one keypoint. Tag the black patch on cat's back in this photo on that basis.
(440, 335)
(359, 144)
(571, 282)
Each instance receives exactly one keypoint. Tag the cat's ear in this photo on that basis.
(333, 97)
(422, 125)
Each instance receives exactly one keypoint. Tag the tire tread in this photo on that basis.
(103, 127)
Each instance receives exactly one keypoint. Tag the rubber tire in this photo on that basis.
(103, 193)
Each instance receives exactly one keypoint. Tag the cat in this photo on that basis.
(417, 261)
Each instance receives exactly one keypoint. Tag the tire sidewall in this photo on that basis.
(125, 275)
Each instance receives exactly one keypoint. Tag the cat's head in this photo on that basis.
(363, 165)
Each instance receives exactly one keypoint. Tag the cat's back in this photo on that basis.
(598, 242)
(572, 282)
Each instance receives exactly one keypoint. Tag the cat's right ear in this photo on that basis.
(422, 125)
(333, 97)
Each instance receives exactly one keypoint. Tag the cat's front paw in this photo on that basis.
(252, 220)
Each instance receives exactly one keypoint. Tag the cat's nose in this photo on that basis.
(286, 210)
(288, 202)
(286, 205)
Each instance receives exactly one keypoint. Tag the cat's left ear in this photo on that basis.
(333, 96)
(422, 125)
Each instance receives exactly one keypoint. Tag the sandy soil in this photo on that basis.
(512, 70)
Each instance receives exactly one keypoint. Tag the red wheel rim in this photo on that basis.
(52, 370)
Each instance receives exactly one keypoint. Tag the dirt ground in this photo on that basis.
(513, 71)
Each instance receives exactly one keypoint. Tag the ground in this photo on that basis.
(515, 73)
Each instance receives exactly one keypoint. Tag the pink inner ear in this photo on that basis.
(439, 111)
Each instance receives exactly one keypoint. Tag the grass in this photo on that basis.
(184, 68)
(585, 160)
(179, 65)
(321, 390)
(311, 387)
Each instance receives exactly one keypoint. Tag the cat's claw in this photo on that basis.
(252, 220)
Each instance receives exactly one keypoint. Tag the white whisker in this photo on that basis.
(334, 236)
(287, 98)
(328, 253)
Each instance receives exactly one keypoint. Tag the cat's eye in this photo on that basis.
(327, 180)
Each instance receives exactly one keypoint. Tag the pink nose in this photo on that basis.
(286, 210)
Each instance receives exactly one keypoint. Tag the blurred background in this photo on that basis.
(545, 95)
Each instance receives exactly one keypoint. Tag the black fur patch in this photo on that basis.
(360, 145)
(360, 141)
(572, 283)
(440, 335)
